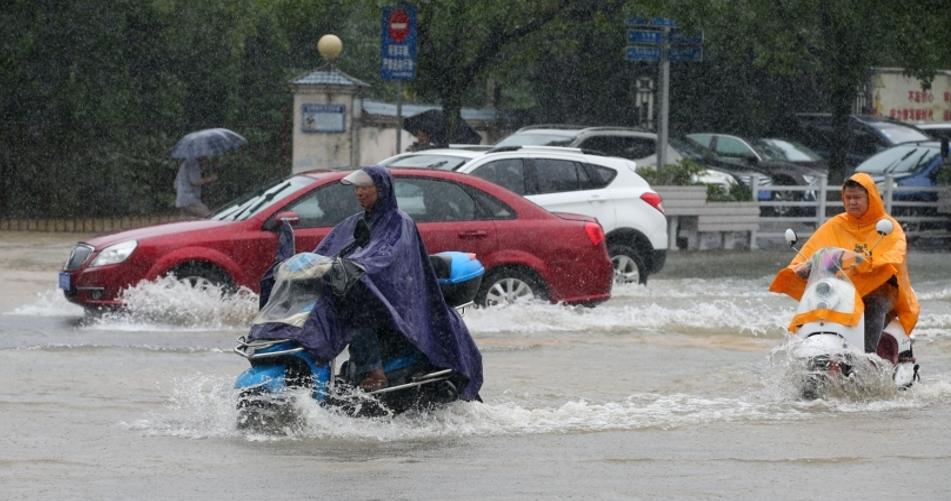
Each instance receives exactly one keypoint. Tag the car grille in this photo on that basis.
(77, 256)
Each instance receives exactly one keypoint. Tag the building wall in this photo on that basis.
(902, 98)
(322, 149)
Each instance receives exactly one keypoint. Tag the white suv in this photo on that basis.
(608, 188)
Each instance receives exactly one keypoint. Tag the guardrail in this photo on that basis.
(918, 218)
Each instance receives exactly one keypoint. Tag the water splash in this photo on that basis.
(204, 406)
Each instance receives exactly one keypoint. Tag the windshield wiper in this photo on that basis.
(897, 163)
(267, 198)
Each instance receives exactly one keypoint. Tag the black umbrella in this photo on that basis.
(436, 124)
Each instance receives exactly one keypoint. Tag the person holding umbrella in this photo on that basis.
(188, 185)
(195, 148)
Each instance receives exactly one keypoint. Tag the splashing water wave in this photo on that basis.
(203, 406)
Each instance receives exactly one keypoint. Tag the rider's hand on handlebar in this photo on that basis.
(803, 269)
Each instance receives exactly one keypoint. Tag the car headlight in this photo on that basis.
(115, 253)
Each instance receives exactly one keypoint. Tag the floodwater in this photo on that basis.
(675, 390)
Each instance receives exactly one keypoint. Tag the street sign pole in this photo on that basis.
(398, 51)
(399, 116)
(664, 90)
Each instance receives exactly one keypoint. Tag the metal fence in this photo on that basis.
(786, 209)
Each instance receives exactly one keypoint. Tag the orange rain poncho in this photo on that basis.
(888, 258)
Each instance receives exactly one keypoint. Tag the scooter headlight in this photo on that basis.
(823, 289)
(115, 253)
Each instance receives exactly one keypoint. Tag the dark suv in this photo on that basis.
(868, 134)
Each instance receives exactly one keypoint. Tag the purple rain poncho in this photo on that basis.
(405, 295)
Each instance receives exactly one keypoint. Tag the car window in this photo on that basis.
(326, 206)
(792, 151)
(489, 207)
(434, 200)
(701, 139)
(630, 147)
(556, 176)
(598, 176)
(508, 173)
(897, 133)
(899, 160)
(732, 147)
(864, 144)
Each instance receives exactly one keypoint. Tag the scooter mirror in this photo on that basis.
(884, 227)
(791, 237)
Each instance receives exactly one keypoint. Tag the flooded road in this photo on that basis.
(674, 390)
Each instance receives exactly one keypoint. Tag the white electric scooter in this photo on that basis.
(830, 349)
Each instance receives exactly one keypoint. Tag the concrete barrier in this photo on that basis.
(85, 224)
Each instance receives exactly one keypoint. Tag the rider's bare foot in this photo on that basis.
(374, 380)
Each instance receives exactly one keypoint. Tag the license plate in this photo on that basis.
(64, 280)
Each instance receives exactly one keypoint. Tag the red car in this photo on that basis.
(526, 250)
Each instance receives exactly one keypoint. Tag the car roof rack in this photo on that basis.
(583, 128)
(553, 149)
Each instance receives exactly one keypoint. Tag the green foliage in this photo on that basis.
(685, 173)
(682, 173)
(94, 93)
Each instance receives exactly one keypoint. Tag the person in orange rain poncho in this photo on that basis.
(881, 279)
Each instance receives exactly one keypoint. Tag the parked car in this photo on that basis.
(777, 166)
(910, 165)
(937, 130)
(526, 250)
(436, 158)
(868, 135)
(624, 142)
(605, 187)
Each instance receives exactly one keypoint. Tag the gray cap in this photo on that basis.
(358, 178)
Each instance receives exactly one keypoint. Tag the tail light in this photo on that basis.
(595, 233)
(654, 200)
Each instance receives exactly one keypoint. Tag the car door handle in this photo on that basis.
(595, 198)
(473, 234)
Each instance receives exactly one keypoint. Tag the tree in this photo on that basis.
(458, 42)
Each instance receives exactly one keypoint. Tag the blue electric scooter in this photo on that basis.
(282, 370)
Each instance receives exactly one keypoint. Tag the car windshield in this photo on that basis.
(429, 161)
(790, 151)
(247, 206)
(899, 159)
(897, 133)
(536, 139)
(691, 149)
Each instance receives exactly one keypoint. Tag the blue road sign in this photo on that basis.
(657, 21)
(644, 37)
(643, 53)
(398, 48)
(678, 38)
(688, 53)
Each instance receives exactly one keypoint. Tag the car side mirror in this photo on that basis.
(944, 148)
(275, 222)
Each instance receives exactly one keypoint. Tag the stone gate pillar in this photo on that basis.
(327, 109)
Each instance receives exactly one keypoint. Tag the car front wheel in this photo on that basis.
(204, 277)
(508, 286)
(629, 267)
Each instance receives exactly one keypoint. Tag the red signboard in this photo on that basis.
(398, 25)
